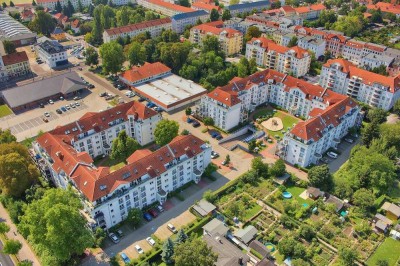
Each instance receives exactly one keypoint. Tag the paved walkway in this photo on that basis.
(26, 252)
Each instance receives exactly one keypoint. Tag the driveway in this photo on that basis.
(150, 228)
(345, 149)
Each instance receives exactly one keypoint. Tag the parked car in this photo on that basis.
(120, 233)
(150, 105)
(139, 249)
(324, 160)
(150, 241)
(76, 98)
(77, 104)
(141, 99)
(153, 213)
(62, 98)
(172, 228)
(103, 94)
(349, 140)
(160, 208)
(63, 109)
(218, 137)
(214, 155)
(72, 105)
(213, 134)
(51, 102)
(91, 86)
(58, 111)
(68, 107)
(195, 123)
(224, 162)
(114, 237)
(189, 120)
(332, 155)
(125, 258)
(46, 114)
(147, 216)
(41, 105)
(45, 119)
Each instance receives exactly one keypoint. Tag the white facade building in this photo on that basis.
(373, 89)
(165, 8)
(267, 53)
(180, 21)
(52, 53)
(317, 46)
(154, 27)
(51, 4)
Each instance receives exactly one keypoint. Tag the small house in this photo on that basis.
(260, 248)
(75, 25)
(215, 227)
(58, 34)
(314, 193)
(246, 234)
(330, 199)
(204, 208)
(392, 210)
(381, 223)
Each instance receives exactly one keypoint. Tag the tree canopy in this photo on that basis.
(194, 252)
(9, 47)
(320, 177)
(165, 131)
(55, 227)
(260, 167)
(6, 136)
(214, 15)
(279, 168)
(12, 247)
(135, 216)
(43, 23)
(136, 54)
(123, 146)
(91, 56)
(113, 57)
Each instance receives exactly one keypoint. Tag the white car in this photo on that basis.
(150, 241)
(139, 249)
(214, 154)
(332, 155)
(160, 208)
(51, 102)
(46, 114)
(349, 140)
(114, 238)
(77, 104)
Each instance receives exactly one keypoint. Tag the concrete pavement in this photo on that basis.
(5, 259)
(26, 252)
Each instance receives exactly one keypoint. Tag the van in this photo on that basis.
(172, 228)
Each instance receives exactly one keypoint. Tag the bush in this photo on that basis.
(204, 130)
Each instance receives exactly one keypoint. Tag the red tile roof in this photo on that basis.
(224, 97)
(271, 45)
(171, 6)
(75, 23)
(138, 26)
(310, 8)
(385, 7)
(288, 9)
(204, 6)
(313, 127)
(367, 77)
(147, 70)
(27, 13)
(216, 30)
(15, 58)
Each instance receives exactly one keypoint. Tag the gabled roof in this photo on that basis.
(148, 70)
(385, 7)
(216, 29)
(224, 97)
(246, 234)
(393, 208)
(196, 13)
(75, 23)
(270, 45)
(204, 6)
(138, 26)
(310, 8)
(15, 58)
(171, 6)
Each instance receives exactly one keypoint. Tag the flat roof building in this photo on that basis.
(12, 30)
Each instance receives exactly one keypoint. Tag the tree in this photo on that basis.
(194, 252)
(185, 3)
(99, 237)
(6, 136)
(58, 6)
(123, 146)
(377, 115)
(226, 15)
(122, 16)
(181, 237)
(347, 256)
(9, 47)
(168, 251)
(307, 232)
(91, 56)
(33, 3)
(188, 111)
(364, 199)
(135, 217)
(243, 67)
(369, 132)
(252, 32)
(227, 159)
(11, 4)
(210, 44)
(381, 70)
(43, 23)
(165, 131)
(112, 56)
(292, 42)
(17, 171)
(376, 16)
(252, 145)
(286, 246)
(25, 263)
(208, 121)
(55, 227)
(80, 6)
(4, 228)
(390, 133)
(214, 15)
(136, 54)
(279, 168)
(320, 177)
(250, 177)
(209, 196)
(12, 247)
(260, 167)
(350, 25)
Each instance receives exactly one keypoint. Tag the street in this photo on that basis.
(5, 260)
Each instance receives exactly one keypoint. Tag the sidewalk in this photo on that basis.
(26, 252)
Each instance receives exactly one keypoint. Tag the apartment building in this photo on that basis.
(373, 89)
(164, 8)
(180, 21)
(386, 8)
(307, 141)
(329, 114)
(247, 7)
(147, 177)
(206, 7)
(52, 53)
(51, 4)
(154, 27)
(310, 11)
(294, 60)
(230, 40)
(311, 43)
(14, 65)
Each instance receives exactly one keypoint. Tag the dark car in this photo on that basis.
(213, 134)
(91, 86)
(63, 109)
(218, 137)
(41, 105)
(153, 213)
(189, 120)
(141, 99)
(147, 216)
(195, 123)
(58, 111)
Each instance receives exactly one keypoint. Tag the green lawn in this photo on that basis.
(5, 110)
(296, 191)
(388, 250)
(250, 213)
(287, 121)
(117, 166)
(113, 164)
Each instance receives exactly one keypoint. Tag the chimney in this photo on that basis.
(60, 155)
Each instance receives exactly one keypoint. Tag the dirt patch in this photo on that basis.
(274, 124)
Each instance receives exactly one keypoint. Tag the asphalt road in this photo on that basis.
(5, 260)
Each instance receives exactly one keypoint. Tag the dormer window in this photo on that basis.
(103, 187)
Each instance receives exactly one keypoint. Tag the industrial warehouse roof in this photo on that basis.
(65, 83)
(11, 29)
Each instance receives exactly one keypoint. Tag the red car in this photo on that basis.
(153, 213)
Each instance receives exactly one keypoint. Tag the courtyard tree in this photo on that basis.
(168, 251)
(51, 222)
(6, 136)
(135, 216)
(113, 57)
(279, 168)
(252, 145)
(123, 146)
(369, 132)
(226, 15)
(188, 111)
(4, 228)
(17, 171)
(194, 252)
(320, 177)
(99, 237)
(91, 56)
(292, 42)
(260, 167)
(210, 44)
(377, 115)
(9, 47)
(252, 32)
(208, 121)
(12, 247)
(307, 232)
(227, 159)
(214, 15)
(166, 130)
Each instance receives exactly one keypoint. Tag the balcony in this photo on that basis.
(336, 140)
(318, 155)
